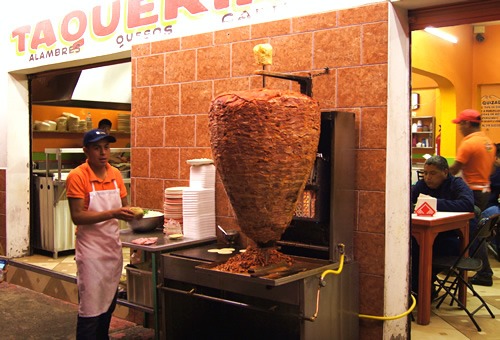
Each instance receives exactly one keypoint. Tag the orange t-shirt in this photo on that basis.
(79, 182)
(477, 154)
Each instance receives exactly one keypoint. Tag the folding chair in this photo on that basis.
(455, 266)
(420, 174)
(495, 247)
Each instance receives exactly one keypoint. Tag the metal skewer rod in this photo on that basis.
(264, 77)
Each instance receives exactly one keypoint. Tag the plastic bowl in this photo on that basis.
(149, 222)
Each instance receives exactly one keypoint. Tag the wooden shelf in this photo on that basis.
(424, 137)
(69, 134)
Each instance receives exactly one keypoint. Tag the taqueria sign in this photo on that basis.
(113, 26)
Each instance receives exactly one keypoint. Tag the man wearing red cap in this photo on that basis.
(476, 157)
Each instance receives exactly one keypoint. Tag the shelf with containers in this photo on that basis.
(42, 140)
(422, 137)
(64, 127)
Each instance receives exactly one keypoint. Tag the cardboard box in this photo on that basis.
(426, 205)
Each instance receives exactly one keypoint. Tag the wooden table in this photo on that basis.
(425, 230)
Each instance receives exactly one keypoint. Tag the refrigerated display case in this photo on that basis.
(54, 231)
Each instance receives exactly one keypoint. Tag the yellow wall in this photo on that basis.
(428, 102)
(450, 66)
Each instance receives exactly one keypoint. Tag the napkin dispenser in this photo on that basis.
(426, 205)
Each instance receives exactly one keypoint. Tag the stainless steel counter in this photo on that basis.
(164, 244)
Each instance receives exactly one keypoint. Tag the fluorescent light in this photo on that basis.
(441, 34)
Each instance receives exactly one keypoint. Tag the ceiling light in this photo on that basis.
(441, 34)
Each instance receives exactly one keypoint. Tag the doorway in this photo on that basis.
(446, 78)
(63, 105)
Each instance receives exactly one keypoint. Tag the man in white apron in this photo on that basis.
(97, 199)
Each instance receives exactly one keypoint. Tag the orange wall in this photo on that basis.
(42, 140)
(486, 60)
(486, 69)
(41, 112)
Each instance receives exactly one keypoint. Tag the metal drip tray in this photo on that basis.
(197, 265)
(302, 268)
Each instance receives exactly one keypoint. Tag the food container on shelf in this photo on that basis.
(36, 125)
(43, 126)
(52, 125)
(62, 124)
(82, 126)
(73, 123)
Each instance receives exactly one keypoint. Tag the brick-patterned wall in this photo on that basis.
(3, 213)
(175, 80)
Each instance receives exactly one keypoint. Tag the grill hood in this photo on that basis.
(104, 87)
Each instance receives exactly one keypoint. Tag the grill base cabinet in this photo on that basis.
(201, 306)
(139, 282)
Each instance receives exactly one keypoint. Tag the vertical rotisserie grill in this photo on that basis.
(279, 301)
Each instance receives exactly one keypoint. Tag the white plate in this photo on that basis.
(200, 161)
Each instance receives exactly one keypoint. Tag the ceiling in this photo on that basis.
(414, 4)
(102, 86)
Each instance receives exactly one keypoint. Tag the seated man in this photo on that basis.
(495, 181)
(452, 194)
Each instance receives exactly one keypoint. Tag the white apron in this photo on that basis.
(99, 257)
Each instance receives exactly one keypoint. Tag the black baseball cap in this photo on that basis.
(96, 135)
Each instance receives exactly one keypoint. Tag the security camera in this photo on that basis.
(480, 37)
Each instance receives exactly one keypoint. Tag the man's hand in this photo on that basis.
(124, 214)
(455, 168)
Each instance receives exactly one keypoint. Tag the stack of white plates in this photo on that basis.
(201, 175)
(172, 204)
(198, 212)
(123, 122)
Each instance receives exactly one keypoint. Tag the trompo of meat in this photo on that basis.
(264, 144)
